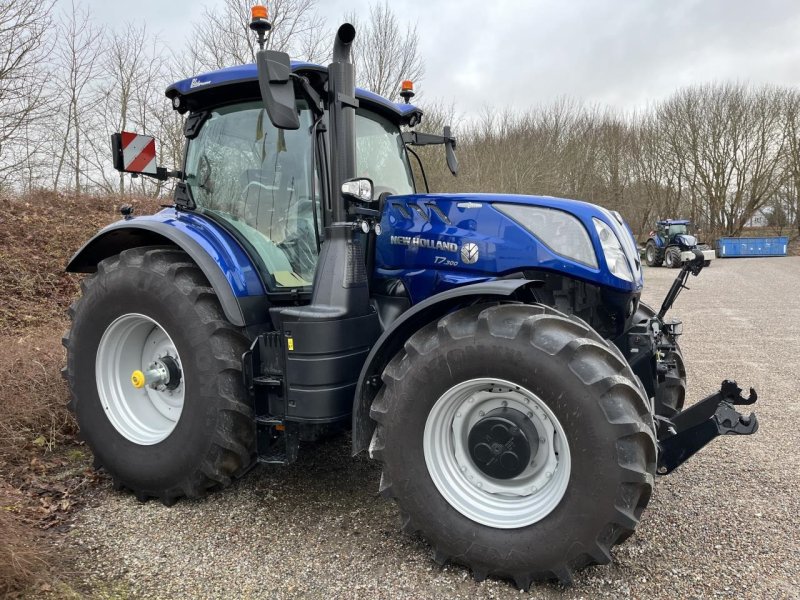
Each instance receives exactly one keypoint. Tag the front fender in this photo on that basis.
(393, 339)
(226, 265)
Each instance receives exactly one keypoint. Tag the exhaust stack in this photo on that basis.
(342, 90)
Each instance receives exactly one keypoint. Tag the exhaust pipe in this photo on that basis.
(341, 287)
(343, 43)
(342, 90)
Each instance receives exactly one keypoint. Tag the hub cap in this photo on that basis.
(496, 453)
(139, 379)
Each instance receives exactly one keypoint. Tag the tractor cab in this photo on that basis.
(669, 229)
(269, 186)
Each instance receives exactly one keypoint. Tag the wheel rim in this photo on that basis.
(650, 254)
(134, 343)
(501, 503)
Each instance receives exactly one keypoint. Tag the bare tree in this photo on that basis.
(223, 37)
(791, 191)
(732, 140)
(130, 91)
(22, 29)
(385, 54)
(79, 50)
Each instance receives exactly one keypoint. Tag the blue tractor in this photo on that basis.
(672, 244)
(490, 350)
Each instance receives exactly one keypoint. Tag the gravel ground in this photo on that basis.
(724, 525)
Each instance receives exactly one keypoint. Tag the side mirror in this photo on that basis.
(277, 89)
(360, 189)
(450, 151)
(134, 153)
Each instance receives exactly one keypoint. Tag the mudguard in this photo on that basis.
(392, 340)
(226, 265)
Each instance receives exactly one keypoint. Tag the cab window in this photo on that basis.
(258, 179)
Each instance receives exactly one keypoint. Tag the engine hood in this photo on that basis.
(459, 218)
(684, 239)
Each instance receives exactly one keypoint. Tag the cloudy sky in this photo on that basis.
(517, 53)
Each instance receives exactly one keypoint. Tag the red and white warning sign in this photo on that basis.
(138, 153)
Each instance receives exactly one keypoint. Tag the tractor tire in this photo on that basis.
(671, 395)
(653, 255)
(672, 258)
(189, 435)
(593, 462)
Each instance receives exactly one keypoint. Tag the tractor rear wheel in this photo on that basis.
(516, 440)
(653, 255)
(672, 258)
(155, 373)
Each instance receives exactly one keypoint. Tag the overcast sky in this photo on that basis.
(624, 53)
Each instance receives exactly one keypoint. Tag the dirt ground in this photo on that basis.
(723, 525)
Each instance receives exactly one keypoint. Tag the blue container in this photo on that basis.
(738, 247)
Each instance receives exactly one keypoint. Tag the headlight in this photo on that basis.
(612, 249)
(559, 231)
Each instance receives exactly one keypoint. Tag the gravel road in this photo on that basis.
(726, 524)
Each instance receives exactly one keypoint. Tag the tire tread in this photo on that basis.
(231, 452)
(554, 333)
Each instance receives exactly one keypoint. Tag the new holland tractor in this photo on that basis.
(490, 350)
(672, 244)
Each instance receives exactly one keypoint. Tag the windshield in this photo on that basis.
(676, 229)
(259, 180)
(381, 155)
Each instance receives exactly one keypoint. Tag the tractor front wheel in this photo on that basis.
(516, 440)
(653, 255)
(672, 258)
(155, 373)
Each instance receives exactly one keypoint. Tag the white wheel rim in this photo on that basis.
(145, 415)
(500, 503)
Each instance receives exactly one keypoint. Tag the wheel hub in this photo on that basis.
(500, 443)
(497, 453)
(139, 379)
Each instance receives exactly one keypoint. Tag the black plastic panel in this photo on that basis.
(323, 361)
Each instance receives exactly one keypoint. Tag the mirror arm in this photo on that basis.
(161, 174)
(314, 99)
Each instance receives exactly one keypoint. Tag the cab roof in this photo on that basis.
(674, 222)
(241, 83)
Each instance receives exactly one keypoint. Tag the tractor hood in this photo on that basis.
(425, 230)
(684, 239)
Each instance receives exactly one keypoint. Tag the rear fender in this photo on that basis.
(226, 265)
(411, 321)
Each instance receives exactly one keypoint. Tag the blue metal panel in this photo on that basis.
(249, 73)
(504, 246)
(232, 260)
(741, 247)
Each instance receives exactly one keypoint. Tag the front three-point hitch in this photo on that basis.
(681, 436)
